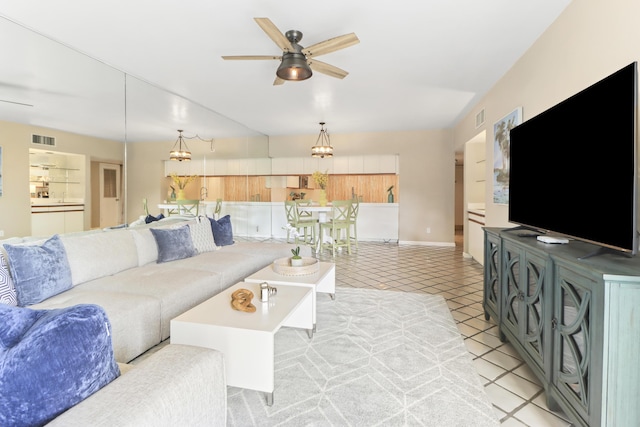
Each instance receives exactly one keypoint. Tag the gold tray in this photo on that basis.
(309, 266)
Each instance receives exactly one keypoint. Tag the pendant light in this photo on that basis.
(181, 154)
(324, 148)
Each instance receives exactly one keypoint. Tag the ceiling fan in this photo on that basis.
(297, 62)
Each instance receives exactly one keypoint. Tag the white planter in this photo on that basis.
(297, 262)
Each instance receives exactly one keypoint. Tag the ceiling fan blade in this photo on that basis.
(252, 57)
(278, 81)
(331, 45)
(274, 34)
(328, 69)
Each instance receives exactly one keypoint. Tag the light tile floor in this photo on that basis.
(517, 396)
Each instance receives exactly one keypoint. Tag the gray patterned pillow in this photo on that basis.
(7, 289)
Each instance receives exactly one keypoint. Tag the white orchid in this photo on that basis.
(292, 230)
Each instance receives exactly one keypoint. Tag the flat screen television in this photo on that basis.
(572, 168)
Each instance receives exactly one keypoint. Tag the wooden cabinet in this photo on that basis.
(573, 320)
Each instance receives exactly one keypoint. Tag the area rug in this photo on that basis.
(378, 358)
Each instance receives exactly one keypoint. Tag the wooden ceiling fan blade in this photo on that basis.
(331, 45)
(278, 81)
(274, 34)
(252, 57)
(328, 69)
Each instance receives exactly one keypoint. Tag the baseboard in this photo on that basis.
(423, 243)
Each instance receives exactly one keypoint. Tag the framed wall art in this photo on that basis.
(501, 155)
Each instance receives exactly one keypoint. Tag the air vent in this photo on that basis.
(480, 118)
(43, 140)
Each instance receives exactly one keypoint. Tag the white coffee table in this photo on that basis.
(323, 281)
(245, 339)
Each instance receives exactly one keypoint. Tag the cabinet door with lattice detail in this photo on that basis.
(512, 295)
(534, 306)
(574, 332)
(491, 296)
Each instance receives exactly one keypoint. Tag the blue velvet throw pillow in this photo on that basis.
(222, 232)
(173, 243)
(39, 271)
(59, 358)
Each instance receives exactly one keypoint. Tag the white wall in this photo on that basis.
(588, 41)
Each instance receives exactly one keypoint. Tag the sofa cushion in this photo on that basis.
(173, 244)
(62, 357)
(39, 271)
(222, 231)
(146, 246)
(7, 289)
(202, 235)
(94, 255)
(135, 319)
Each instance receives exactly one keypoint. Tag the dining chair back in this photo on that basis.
(337, 228)
(302, 212)
(186, 207)
(353, 219)
(306, 226)
(218, 209)
(145, 206)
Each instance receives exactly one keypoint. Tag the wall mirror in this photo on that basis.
(88, 108)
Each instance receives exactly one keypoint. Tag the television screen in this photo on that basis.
(572, 168)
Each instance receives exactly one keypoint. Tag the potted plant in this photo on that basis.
(296, 259)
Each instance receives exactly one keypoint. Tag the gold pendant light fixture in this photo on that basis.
(181, 154)
(324, 148)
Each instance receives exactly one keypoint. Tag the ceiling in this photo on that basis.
(420, 64)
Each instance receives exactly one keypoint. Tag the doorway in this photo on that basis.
(106, 194)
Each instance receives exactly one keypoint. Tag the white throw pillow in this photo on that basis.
(146, 246)
(202, 235)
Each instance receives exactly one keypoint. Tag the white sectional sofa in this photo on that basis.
(118, 270)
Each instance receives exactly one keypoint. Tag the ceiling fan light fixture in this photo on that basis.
(180, 154)
(294, 67)
(324, 148)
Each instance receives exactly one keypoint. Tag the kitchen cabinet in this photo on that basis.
(49, 219)
(573, 319)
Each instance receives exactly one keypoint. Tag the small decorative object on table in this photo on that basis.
(390, 195)
(267, 291)
(309, 265)
(241, 301)
(296, 259)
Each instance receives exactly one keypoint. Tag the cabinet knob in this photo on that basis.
(554, 323)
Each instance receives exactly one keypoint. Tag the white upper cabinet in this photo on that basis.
(385, 163)
(340, 165)
(279, 166)
(356, 164)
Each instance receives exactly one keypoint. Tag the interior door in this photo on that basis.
(110, 200)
